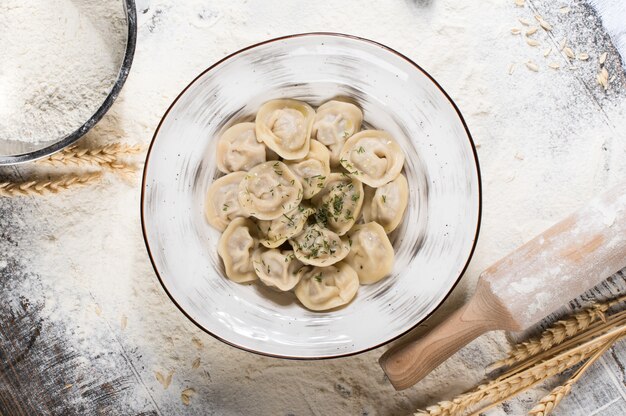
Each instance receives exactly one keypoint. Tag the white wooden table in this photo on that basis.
(84, 323)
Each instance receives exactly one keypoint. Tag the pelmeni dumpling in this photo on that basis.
(335, 121)
(323, 288)
(371, 253)
(277, 231)
(319, 246)
(269, 190)
(339, 204)
(386, 205)
(236, 247)
(238, 149)
(372, 156)
(222, 202)
(313, 170)
(277, 269)
(285, 127)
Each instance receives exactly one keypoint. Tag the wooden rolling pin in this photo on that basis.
(525, 286)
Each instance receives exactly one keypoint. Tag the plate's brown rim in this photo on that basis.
(469, 136)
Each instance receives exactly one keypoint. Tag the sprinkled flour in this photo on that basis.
(546, 145)
(60, 59)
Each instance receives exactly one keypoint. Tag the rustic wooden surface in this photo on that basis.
(65, 352)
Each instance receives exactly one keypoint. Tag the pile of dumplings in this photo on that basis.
(297, 184)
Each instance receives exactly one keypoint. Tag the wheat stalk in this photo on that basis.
(42, 187)
(557, 333)
(506, 386)
(502, 388)
(552, 399)
(80, 156)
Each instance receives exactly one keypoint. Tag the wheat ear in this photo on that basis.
(501, 389)
(557, 333)
(507, 386)
(552, 399)
(42, 187)
(103, 155)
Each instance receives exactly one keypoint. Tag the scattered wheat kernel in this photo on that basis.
(538, 17)
(564, 10)
(545, 25)
(159, 376)
(603, 58)
(164, 380)
(197, 342)
(511, 69)
(67, 386)
(547, 52)
(562, 44)
(98, 310)
(569, 52)
(603, 78)
(582, 56)
(196, 363)
(532, 42)
(519, 156)
(531, 31)
(554, 65)
(532, 66)
(524, 21)
(123, 322)
(185, 395)
(515, 31)
(520, 3)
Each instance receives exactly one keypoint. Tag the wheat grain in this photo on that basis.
(531, 31)
(569, 52)
(46, 186)
(562, 44)
(532, 66)
(554, 335)
(520, 3)
(185, 395)
(552, 399)
(545, 25)
(504, 387)
(511, 69)
(164, 380)
(515, 31)
(547, 52)
(564, 10)
(80, 156)
(554, 65)
(603, 57)
(594, 337)
(524, 21)
(532, 42)
(582, 56)
(603, 78)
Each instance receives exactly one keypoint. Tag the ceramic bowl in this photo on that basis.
(433, 244)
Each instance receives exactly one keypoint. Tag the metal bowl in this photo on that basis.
(14, 152)
(432, 246)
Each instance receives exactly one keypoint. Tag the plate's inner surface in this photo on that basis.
(432, 245)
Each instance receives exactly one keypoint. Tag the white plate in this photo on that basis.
(433, 244)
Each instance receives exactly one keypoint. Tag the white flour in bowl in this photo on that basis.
(60, 59)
